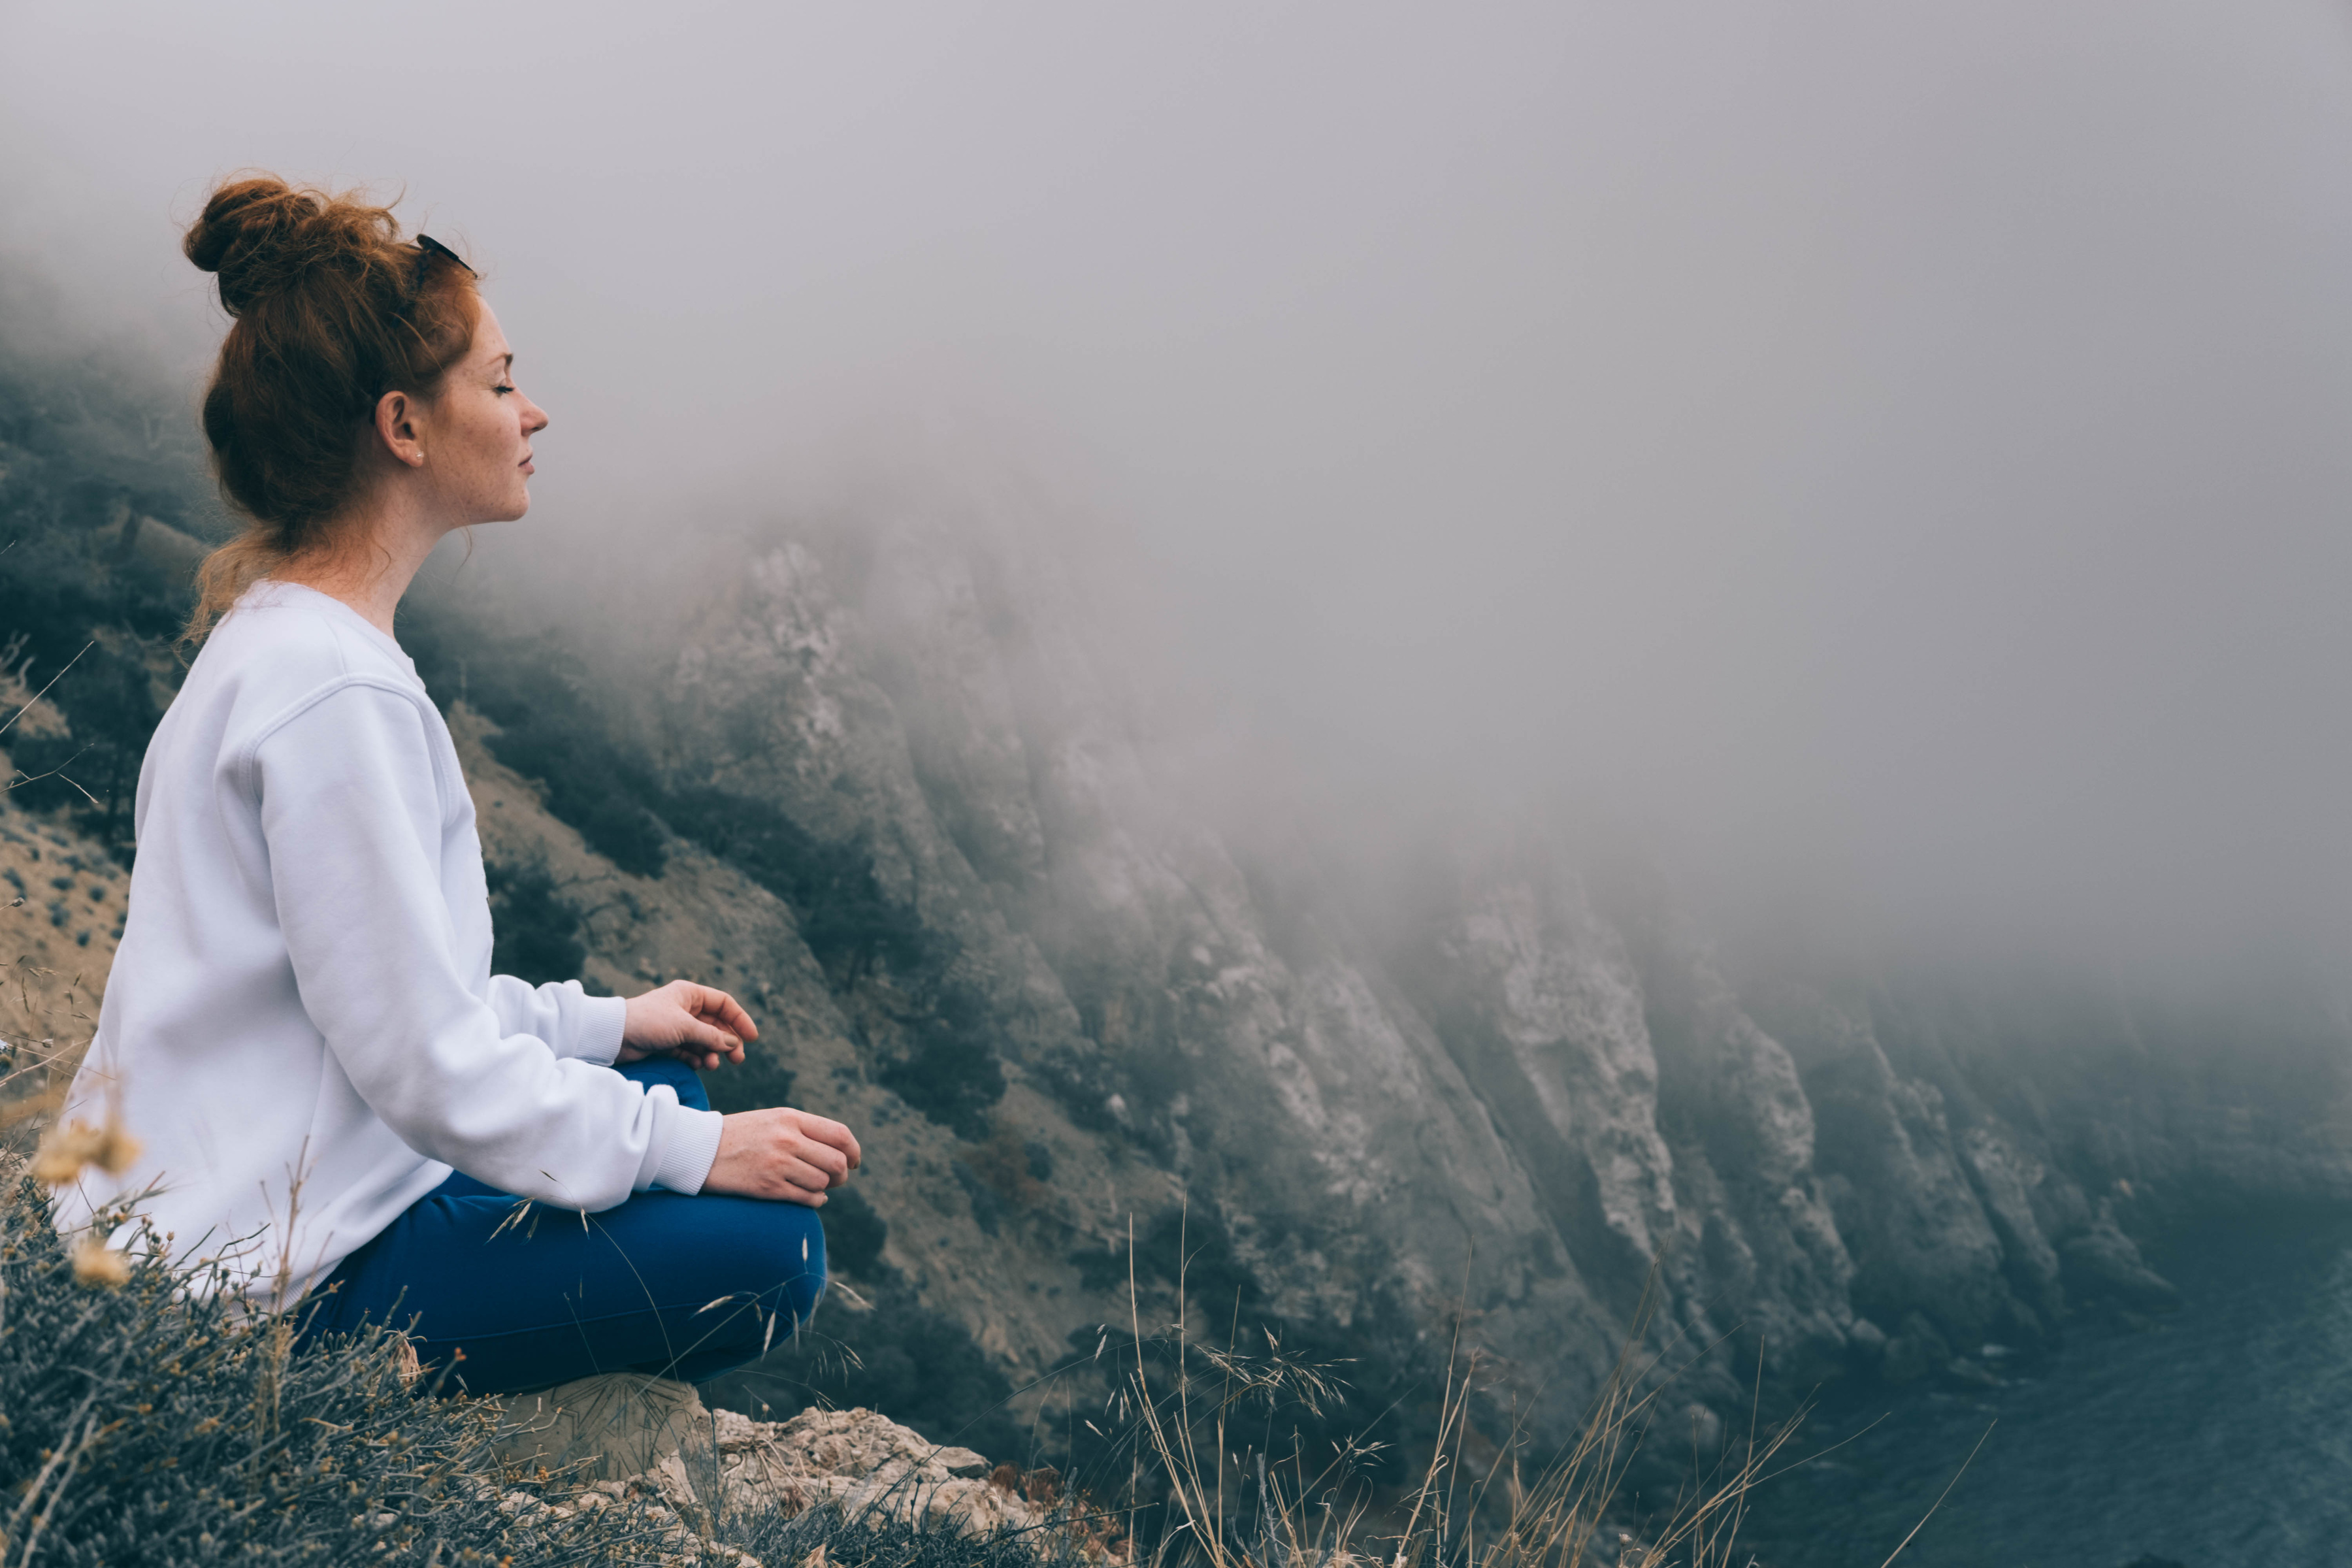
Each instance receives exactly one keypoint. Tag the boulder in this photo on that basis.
(2104, 1262)
(1915, 1353)
(611, 1427)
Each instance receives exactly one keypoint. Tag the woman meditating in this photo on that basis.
(335, 1095)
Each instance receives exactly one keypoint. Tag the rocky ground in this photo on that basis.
(629, 1440)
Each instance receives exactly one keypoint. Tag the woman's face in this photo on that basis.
(477, 436)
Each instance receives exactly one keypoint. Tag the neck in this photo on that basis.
(386, 546)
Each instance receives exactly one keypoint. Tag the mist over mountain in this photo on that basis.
(1464, 1095)
(1505, 682)
(1885, 469)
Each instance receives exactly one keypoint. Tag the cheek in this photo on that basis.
(493, 434)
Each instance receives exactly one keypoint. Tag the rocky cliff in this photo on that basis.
(1487, 1099)
(883, 783)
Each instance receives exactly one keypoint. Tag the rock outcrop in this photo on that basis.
(859, 1462)
(624, 1438)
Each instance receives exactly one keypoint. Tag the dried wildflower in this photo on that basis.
(66, 1148)
(404, 1363)
(95, 1263)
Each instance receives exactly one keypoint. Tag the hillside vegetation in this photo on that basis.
(1114, 1067)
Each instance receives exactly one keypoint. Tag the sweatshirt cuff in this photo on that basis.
(689, 1146)
(603, 1020)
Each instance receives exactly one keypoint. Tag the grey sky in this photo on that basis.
(1895, 453)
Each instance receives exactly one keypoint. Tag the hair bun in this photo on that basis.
(260, 234)
(334, 310)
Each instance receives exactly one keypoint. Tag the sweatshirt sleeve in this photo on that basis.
(572, 1023)
(352, 815)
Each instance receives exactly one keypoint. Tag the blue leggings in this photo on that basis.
(675, 1286)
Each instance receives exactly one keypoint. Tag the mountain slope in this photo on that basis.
(1498, 1072)
(884, 784)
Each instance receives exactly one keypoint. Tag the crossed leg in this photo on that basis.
(668, 1284)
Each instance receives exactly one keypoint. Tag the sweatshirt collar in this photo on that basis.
(271, 590)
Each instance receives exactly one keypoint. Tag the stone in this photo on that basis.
(609, 1428)
(1915, 1353)
(861, 1462)
(2104, 1261)
(1971, 1373)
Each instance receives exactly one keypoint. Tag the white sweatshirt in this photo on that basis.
(301, 1019)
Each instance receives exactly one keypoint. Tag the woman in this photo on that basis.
(336, 1096)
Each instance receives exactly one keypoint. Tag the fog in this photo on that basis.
(1887, 462)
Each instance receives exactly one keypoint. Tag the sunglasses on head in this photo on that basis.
(432, 247)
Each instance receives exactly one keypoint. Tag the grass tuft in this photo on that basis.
(1477, 1503)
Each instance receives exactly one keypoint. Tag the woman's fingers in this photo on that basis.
(822, 1157)
(715, 1019)
(710, 1040)
(794, 1171)
(699, 1024)
(727, 1012)
(711, 1004)
(831, 1133)
(781, 1153)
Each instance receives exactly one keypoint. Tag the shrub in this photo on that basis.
(94, 770)
(949, 1071)
(854, 1234)
(146, 1422)
(550, 728)
(850, 925)
(536, 928)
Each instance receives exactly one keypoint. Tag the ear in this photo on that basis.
(399, 425)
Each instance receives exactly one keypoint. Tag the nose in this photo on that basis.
(534, 419)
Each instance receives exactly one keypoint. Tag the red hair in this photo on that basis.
(332, 310)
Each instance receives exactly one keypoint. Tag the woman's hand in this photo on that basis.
(698, 1024)
(781, 1153)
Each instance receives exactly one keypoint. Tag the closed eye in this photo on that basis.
(502, 389)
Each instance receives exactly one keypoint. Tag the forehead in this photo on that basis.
(491, 346)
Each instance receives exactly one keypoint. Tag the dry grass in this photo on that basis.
(46, 1018)
(1512, 1509)
(56, 943)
